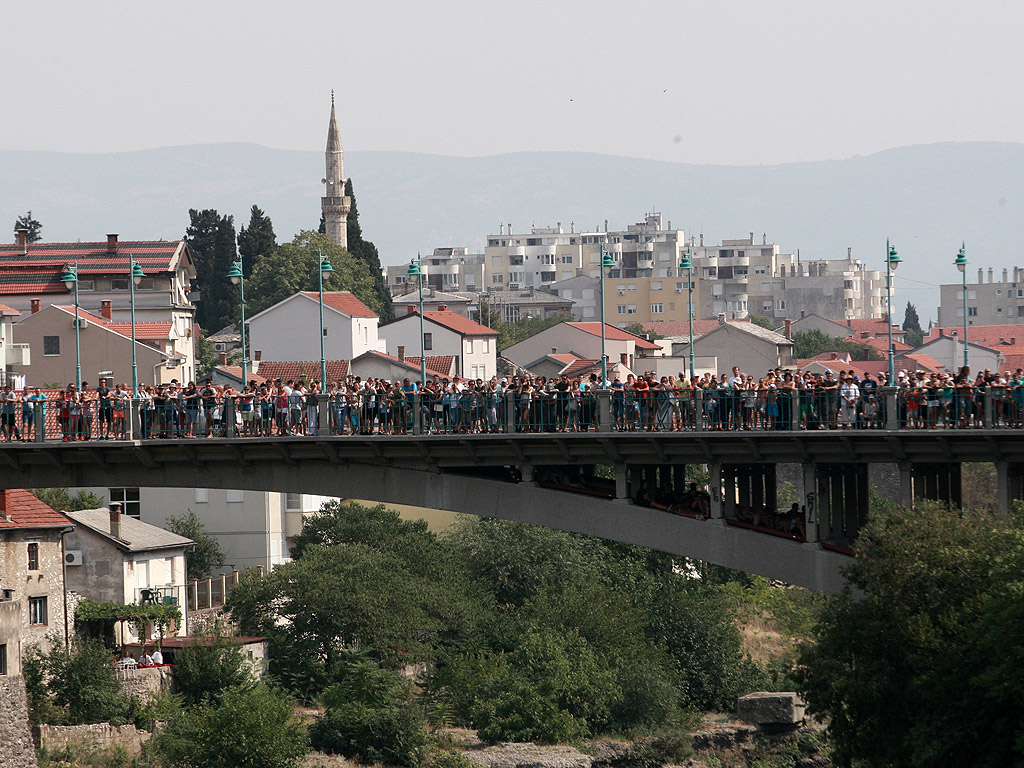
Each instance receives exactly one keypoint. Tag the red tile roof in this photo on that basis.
(5, 310)
(299, 369)
(456, 322)
(436, 363)
(579, 366)
(1014, 361)
(40, 269)
(984, 335)
(881, 343)
(405, 363)
(143, 331)
(874, 326)
(236, 372)
(344, 302)
(919, 362)
(27, 511)
(616, 334)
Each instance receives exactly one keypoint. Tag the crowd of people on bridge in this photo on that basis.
(776, 400)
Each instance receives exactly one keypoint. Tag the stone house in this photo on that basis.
(33, 605)
(116, 558)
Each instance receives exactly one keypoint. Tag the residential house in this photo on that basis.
(33, 605)
(105, 347)
(583, 341)
(117, 558)
(585, 293)
(285, 330)
(445, 332)
(11, 354)
(946, 347)
(747, 345)
(226, 339)
(30, 280)
(433, 299)
(989, 302)
(512, 306)
(377, 365)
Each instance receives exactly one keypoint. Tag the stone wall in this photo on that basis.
(16, 748)
(93, 737)
(145, 681)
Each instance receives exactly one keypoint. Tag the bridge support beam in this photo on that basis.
(938, 481)
(748, 487)
(621, 483)
(810, 503)
(716, 490)
(841, 501)
(1009, 484)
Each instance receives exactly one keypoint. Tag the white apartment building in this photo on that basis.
(546, 255)
(446, 269)
(988, 302)
(739, 278)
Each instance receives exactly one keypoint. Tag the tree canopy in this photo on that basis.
(294, 267)
(211, 239)
(255, 241)
(925, 666)
(62, 501)
(810, 343)
(912, 325)
(35, 229)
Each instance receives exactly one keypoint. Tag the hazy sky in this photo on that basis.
(731, 82)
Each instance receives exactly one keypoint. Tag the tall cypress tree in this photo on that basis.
(257, 240)
(366, 252)
(211, 239)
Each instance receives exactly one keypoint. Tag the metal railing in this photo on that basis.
(513, 412)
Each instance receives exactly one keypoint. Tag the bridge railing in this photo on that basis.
(546, 411)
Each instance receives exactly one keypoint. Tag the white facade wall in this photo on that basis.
(476, 356)
(564, 338)
(988, 303)
(288, 331)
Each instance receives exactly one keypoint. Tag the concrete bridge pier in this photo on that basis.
(1009, 484)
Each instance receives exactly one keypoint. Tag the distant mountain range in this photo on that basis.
(926, 198)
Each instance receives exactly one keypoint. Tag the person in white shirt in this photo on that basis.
(157, 657)
(849, 395)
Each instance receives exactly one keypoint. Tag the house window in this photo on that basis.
(632, 286)
(655, 285)
(468, 345)
(37, 610)
(428, 341)
(202, 495)
(129, 499)
(293, 501)
(780, 304)
(999, 310)
(119, 284)
(236, 496)
(657, 309)
(567, 259)
(547, 277)
(621, 309)
(486, 346)
(497, 279)
(972, 311)
(622, 290)
(51, 345)
(631, 309)
(33, 556)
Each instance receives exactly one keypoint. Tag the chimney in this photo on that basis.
(442, 307)
(764, 238)
(115, 519)
(849, 254)
(751, 238)
(554, 350)
(401, 352)
(803, 313)
(1004, 274)
(223, 357)
(834, 355)
(1013, 340)
(981, 275)
(990, 274)
(701, 239)
(721, 318)
(788, 325)
(112, 243)
(942, 332)
(105, 310)
(410, 309)
(22, 239)
(35, 306)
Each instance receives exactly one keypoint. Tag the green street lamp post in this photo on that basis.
(961, 264)
(235, 275)
(69, 278)
(892, 260)
(606, 262)
(325, 271)
(687, 265)
(135, 274)
(416, 270)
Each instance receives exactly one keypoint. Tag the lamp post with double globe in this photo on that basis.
(325, 270)
(961, 264)
(416, 270)
(69, 278)
(236, 277)
(136, 274)
(686, 265)
(606, 262)
(892, 260)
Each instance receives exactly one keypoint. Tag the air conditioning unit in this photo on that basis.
(79, 322)
(73, 557)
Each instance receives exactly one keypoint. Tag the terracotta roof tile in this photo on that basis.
(456, 322)
(344, 302)
(5, 310)
(299, 369)
(682, 327)
(436, 363)
(991, 336)
(616, 334)
(27, 511)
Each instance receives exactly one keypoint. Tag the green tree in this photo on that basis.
(243, 729)
(205, 556)
(513, 333)
(912, 325)
(924, 667)
(71, 686)
(366, 252)
(763, 321)
(34, 228)
(293, 267)
(62, 501)
(211, 240)
(205, 670)
(255, 241)
(810, 343)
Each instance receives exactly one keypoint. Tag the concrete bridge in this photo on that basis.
(508, 476)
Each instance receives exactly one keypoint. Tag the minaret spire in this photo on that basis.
(334, 204)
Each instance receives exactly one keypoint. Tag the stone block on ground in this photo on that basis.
(771, 708)
(528, 755)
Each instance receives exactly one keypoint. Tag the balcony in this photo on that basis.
(19, 354)
(165, 595)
